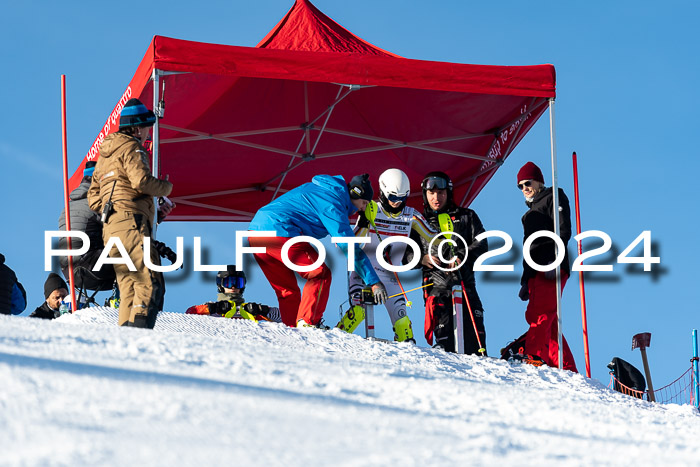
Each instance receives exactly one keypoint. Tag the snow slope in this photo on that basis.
(205, 391)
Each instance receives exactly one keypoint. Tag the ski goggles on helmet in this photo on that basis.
(231, 282)
(435, 183)
(396, 198)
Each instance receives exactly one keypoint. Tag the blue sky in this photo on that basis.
(627, 96)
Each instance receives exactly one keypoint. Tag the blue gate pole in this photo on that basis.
(695, 368)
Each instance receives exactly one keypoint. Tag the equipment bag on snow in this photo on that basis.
(517, 347)
(627, 375)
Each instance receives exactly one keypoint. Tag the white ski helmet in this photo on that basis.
(394, 185)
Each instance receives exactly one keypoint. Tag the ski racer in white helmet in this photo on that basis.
(393, 218)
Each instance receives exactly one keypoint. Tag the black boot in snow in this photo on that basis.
(140, 321)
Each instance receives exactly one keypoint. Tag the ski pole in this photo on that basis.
(371, 214)
(410, 290)
(584, 318)
(446, 225)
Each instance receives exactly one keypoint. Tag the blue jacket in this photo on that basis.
(316, 209)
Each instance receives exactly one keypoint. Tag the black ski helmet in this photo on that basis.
(361, 188)
(440, 181)
(222, 277)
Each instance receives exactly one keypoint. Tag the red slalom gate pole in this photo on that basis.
(65, 189)
(584, 318)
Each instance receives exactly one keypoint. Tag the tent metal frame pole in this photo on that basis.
(234, 191)
(217, 208)
(497, 163)
(393, 144)
(424, 142)
(156, 140)
(555, 208)
(307, 135)
(521, 125)
(520, 120)
(203, 135)
(187, 139)
(482, 167)
(304, 137)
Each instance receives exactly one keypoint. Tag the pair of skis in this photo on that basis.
(458, 296)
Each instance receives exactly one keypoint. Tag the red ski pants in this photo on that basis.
(541, 314)
(294, 305)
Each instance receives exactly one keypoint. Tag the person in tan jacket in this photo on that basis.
(123, 178)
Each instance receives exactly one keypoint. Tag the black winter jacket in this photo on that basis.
(8, 282)
(468, 225)
(540, 216)
(82, 219)
(45, 312)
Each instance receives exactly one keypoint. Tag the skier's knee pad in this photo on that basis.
(403, 330)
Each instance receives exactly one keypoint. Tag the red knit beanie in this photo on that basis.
(530, 172)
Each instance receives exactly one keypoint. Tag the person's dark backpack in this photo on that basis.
(627, 375)
(517, 347)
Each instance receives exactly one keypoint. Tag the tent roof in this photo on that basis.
(243, 125)
(305, 27)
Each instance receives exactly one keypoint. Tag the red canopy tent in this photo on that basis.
(240, 125)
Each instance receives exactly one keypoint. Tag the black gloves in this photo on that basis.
(524, 293)
(219, 308)
(164, 251)
(256, 309)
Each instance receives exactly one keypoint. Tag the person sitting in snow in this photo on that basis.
(55, 290)
(230, 302)
(13, 298)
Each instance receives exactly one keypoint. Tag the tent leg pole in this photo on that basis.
(156, 140)
(555, 202)
(66, 198)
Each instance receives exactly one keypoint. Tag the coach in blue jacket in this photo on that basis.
(316, 209)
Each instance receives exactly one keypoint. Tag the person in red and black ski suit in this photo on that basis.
(437, 199)
(539, 288)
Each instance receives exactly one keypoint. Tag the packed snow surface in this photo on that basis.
(198, 390)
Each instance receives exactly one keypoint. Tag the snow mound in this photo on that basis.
(196, 389)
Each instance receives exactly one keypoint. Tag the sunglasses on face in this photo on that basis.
(231, 282)
(526, 183)
(396, 198)
(435, 183)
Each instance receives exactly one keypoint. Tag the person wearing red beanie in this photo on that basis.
(539, 288)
